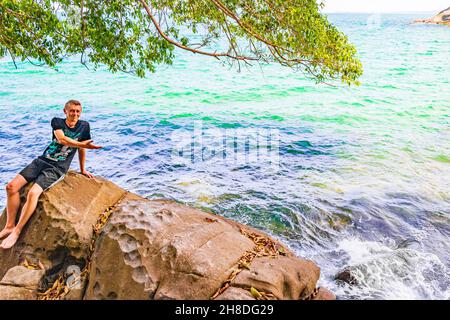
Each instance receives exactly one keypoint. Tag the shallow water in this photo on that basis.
(352, 173)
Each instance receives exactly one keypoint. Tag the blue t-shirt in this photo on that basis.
(60, 155)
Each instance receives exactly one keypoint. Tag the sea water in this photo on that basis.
(354, 177)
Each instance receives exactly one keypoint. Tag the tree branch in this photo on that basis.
(229, 13)
(181, 46)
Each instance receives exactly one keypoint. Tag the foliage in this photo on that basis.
(137, 35)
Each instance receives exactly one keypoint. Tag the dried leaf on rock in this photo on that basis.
(255, 293)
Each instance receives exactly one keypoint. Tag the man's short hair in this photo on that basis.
(72, 103)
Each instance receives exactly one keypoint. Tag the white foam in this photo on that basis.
(386, 273)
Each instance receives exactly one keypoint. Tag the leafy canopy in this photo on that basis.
(136, 35)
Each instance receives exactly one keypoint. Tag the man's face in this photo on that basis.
(73, 112)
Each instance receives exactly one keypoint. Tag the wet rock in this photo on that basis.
(346, 276)
(408, 244)
(324, 294)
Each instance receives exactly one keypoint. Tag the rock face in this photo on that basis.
(442, 17)
(147, 249)
(59, 232)
(20, 283)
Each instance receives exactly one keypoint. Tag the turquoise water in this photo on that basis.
(362, 174)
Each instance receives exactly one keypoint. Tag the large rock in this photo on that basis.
(60, 231)
(324, 294)
(442, 17)
(148, 249)
(16, 293)
(287, 278)
(20, 283)
(20, 276)
(164, 250)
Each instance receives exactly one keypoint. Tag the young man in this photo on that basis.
(69, 135)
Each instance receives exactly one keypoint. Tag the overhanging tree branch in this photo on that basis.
(136, 35)
(181, 46)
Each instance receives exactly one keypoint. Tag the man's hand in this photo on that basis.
(87, 144)
(87, 174)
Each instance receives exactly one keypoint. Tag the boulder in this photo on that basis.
(20, 283)
(287, 278)
(60, 231)
(146, 249)
(234, 293)
(21, 276)
(163, 250)
(346, 276)
(324, 294)
(16, 293)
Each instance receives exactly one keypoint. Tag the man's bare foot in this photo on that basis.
(11, 240)
(6, 232)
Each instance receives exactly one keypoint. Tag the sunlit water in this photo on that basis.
(360, 170)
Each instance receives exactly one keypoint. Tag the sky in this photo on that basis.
(384, 6)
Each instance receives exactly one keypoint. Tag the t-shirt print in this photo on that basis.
(60, 154)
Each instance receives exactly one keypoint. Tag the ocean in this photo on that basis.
(353, 177)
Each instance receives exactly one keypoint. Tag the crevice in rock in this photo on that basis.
(61, 261)
(264, 247)
(59, 288)
(210, 239)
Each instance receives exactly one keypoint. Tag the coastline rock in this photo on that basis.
(20, 276)
(442, 17)
(346, 276)
(324, 294)
(20, 283)
(234, 293)
(165, 251)
(16, 293)
(287, 278)
(147, 249)
(60, 231)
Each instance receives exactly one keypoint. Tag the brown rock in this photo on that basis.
(233, 293)
(20, 276)
(287, 278)
(324, 294)
(76, 286)
(346, 276)
(148, 249)
(60, 230)
(16, 293)
(163, 250)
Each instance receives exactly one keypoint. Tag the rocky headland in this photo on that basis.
(90, 239)
(442, 17)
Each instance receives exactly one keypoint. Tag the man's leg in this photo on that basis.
(12, 203)
(27, 211)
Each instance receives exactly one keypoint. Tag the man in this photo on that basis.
(69, 135)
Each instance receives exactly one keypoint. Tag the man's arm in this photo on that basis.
(64, 140)
(82, 158)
